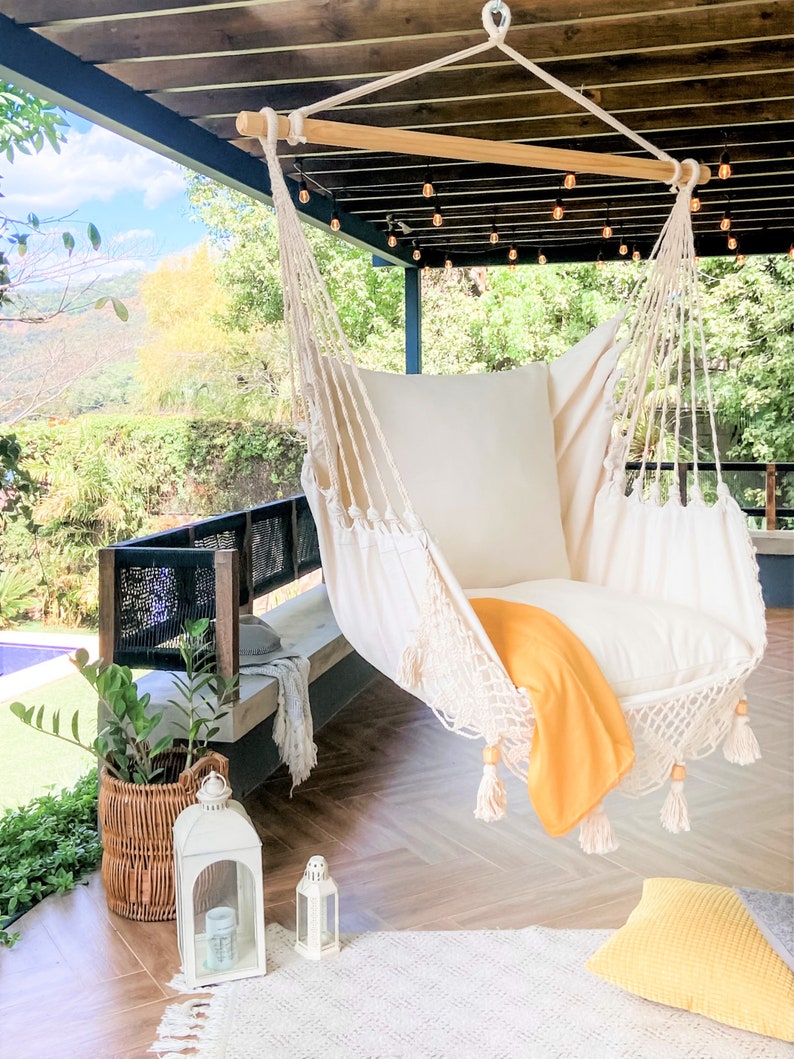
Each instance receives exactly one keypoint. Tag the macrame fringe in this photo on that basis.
(409, 669)
(674, 816)
(181, 1029)
(741, 746)
(491, 795)
(596, 834)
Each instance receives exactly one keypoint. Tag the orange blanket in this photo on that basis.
(581, 746)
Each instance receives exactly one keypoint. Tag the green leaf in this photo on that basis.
(120, 309)
(68, 242)
(93, 236)
(33, 221)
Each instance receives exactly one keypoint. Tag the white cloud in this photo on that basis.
(95, 165)
(134, 235)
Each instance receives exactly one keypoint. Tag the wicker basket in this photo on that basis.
(137, 823)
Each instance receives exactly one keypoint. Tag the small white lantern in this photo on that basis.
(317, 912)
(220, 908)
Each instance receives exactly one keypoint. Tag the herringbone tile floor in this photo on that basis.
(390, 806)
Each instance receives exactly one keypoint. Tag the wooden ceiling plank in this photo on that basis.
(481, 83)
(715, 28)
(275, 27)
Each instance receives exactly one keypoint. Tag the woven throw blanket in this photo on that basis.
(293, 729)
(511, 994)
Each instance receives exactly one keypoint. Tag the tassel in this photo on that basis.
(675, 815)
(596, 834)
(409, 670)
(741, 746)
(491, 796)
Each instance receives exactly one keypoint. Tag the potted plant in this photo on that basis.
(145, 782)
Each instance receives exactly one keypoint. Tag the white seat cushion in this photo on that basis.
(642, 646)
(476, 454)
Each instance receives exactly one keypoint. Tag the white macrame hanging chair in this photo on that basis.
(428, 491)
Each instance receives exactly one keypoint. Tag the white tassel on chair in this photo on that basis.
(741, 746)
(491, 796)
(675, 814)
(596, 834)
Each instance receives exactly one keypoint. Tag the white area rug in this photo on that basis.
(512, 994)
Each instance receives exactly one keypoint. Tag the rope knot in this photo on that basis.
(496, 7)
(296, 134)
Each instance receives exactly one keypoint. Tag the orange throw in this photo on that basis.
(581, 746)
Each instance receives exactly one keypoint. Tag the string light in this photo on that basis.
(447, 262)
(391, 237)
(725, 223)
(599, 261)
(725, 169)
(426, 268)
(438, 218)
(623, 249)
(336, 224)
(606, 231)
(511, 267)
(303, 191)
(427, 187)
(416, 253)
(733, 242)
(635, 254)
(559, 210)
(542, 259)
(694, 202)
(791, 252)
(493, 238)
(740, 258)
(570, 181)
(512, 253)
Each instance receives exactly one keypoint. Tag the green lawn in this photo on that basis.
(31, 762)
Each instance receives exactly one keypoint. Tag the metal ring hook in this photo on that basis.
(496, 7)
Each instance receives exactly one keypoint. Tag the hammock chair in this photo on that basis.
(430, 492)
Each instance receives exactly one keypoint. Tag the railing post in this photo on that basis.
(771, 496)
(413, 321)
(246, 559)
(107, 604)
(683, 471)
(227, 613)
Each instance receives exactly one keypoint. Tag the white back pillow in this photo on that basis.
(476, 454)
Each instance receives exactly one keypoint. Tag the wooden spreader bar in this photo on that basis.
(434, 145)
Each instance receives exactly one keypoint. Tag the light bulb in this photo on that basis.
(599, 262)
(541, 258)
(791, 252)
(511, 267)
(724, 170)
(725, 223)
(336, 224)
(392, 238)
(447, 262)
(512, 253)
(416, 253)
(694, 202)
(740, 259)
(623, 249)
(635, 254)
(303, 192)
(493, 238)
(427, 188)
(438, 220)
(426, 268)
(559, 210)
(733, 242)
(570, 181)
(606, 231)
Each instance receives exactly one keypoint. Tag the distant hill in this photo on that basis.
(85, 360)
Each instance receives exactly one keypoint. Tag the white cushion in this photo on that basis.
(642, 646)
(476, 454)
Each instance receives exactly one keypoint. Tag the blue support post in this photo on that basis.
(413, 321)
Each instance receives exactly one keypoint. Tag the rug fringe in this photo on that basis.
(194, 1026)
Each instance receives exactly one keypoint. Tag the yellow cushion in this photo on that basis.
(695, 946)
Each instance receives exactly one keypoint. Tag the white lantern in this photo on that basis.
(317, 912)
(220, 908)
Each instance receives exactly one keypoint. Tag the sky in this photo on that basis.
(135, 197)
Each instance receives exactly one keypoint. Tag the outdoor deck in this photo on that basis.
(390, 806)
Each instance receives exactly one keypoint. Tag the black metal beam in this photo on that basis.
(47, 70)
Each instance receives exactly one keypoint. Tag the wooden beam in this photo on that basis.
(227, 613)
(107, 603)
(402, 141)
(719, 26)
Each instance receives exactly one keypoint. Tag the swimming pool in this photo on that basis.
(17, 656)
